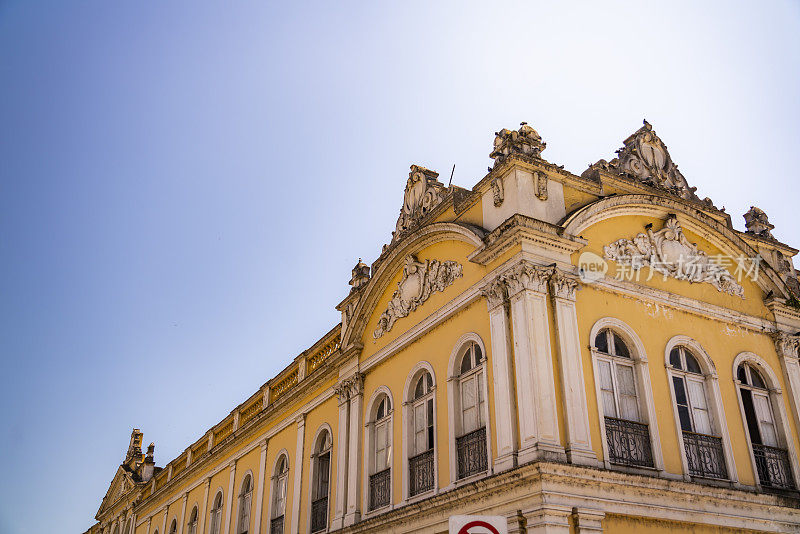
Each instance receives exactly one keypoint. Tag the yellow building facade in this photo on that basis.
(593, 353)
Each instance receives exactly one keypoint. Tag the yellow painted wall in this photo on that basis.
(617, 524)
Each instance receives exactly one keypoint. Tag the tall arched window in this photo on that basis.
(192, 524)
(245, 498)
(421, 469)
(762, 411)
(467, 385)
(627, 432)
(320, 482)
(279, 481)
(705, 446)
(173, 527)
(379, 445)
(215, 517)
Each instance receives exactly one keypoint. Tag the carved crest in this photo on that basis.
(671, 254)
(423, 193)
(524, 142)
(418, 282)
(644, 157)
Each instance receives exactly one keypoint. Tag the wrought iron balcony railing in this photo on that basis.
(420, 469)
(774, 470)
(276, 525)
(319, 515)
(628, 443)
(704, 455)
(379, 489)
(471, 452)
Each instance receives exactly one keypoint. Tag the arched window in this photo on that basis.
(279, 481)
(192, 524)
(705, 446)
(628, 434)
(421, 436)
(320, 484)
(215, 517)
(467, 387)
(379, 445)
(116, 529)
(245, 498)
(173, 527)
(762, 411)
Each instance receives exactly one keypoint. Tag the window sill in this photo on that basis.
(420, 496)
(378, 511)
(464, 481)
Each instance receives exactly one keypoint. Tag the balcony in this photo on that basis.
(774, 470)
(319, 515)
(276, 525)
(420, 469)
(379, 489)
(704, 455)
(628, 443)
(471, 453)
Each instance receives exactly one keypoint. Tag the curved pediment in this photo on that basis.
(686, 248)
(408, 277)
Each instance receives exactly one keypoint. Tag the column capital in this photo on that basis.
(788, 346)
(527, 275)
(495, 292)
(264, 443)
(564, 285)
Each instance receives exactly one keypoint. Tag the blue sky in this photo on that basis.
(185, 186)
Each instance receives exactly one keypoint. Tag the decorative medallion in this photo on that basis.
(418, 282)
(423, 193)
(671, 254)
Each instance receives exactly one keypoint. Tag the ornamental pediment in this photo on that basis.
(668, 252)
(420, 279)
(423, 193)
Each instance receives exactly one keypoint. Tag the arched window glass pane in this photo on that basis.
(757, 381)
(478, 353)
(601, 342)
(381, 410)
(741, 374)
(173, 528)
(424, 385)
(620, 348)
(691, 363)
(466, 362)
(675, 358)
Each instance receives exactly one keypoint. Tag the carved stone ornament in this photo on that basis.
(527, 276)
(423, 193)
(418, 282)
(498, 191)
(671, 254)
(349, 387)
(540, 185)
(644, 157)
(360, 274)
(564, 285)
(788, 346)
(495, 292)
(524, 142)
(757, 223)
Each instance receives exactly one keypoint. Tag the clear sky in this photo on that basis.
(185, 186)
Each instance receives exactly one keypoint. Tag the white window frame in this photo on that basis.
(237, 527)
(175, 523)
(275, 479)
(220, 512)
(196, 510)
(716, 410)
(781, 421)
(312, 479)
(644, 392)
(454, 414)
(369, 448)
(408, 431)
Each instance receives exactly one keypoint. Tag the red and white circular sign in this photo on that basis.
(472, 524)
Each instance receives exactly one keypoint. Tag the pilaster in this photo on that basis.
(262, 475)
(204, 506)
(229, 498)
(341, 457)
(538, 418)
(298, 474)
(503, 372)
(354, 450)
(788, 348)
(579, 446)
(588, 521)
(548, 519)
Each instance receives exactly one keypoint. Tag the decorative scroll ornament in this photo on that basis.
(523, 142)
(423, 193)
(418, 282)
(757, 223)
(671, 254)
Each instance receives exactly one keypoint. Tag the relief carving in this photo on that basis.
(788, 346)
(495, 292)
(564, 285)
(528, 276)
(524, 142)
(419, 280)
(497, 191)
(423, 193)
(671, 254)
(540, 185)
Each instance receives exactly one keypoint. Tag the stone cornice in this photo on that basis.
(519, 229)
(554, 172)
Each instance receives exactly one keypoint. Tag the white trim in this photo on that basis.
(411, 378)
(312, 474)
(174, 520)
(299, 456)
(194, 506)
(785, 436)
(646, 402)
(369, 449)
(713, 397)
(259, 488)
(453, 401)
